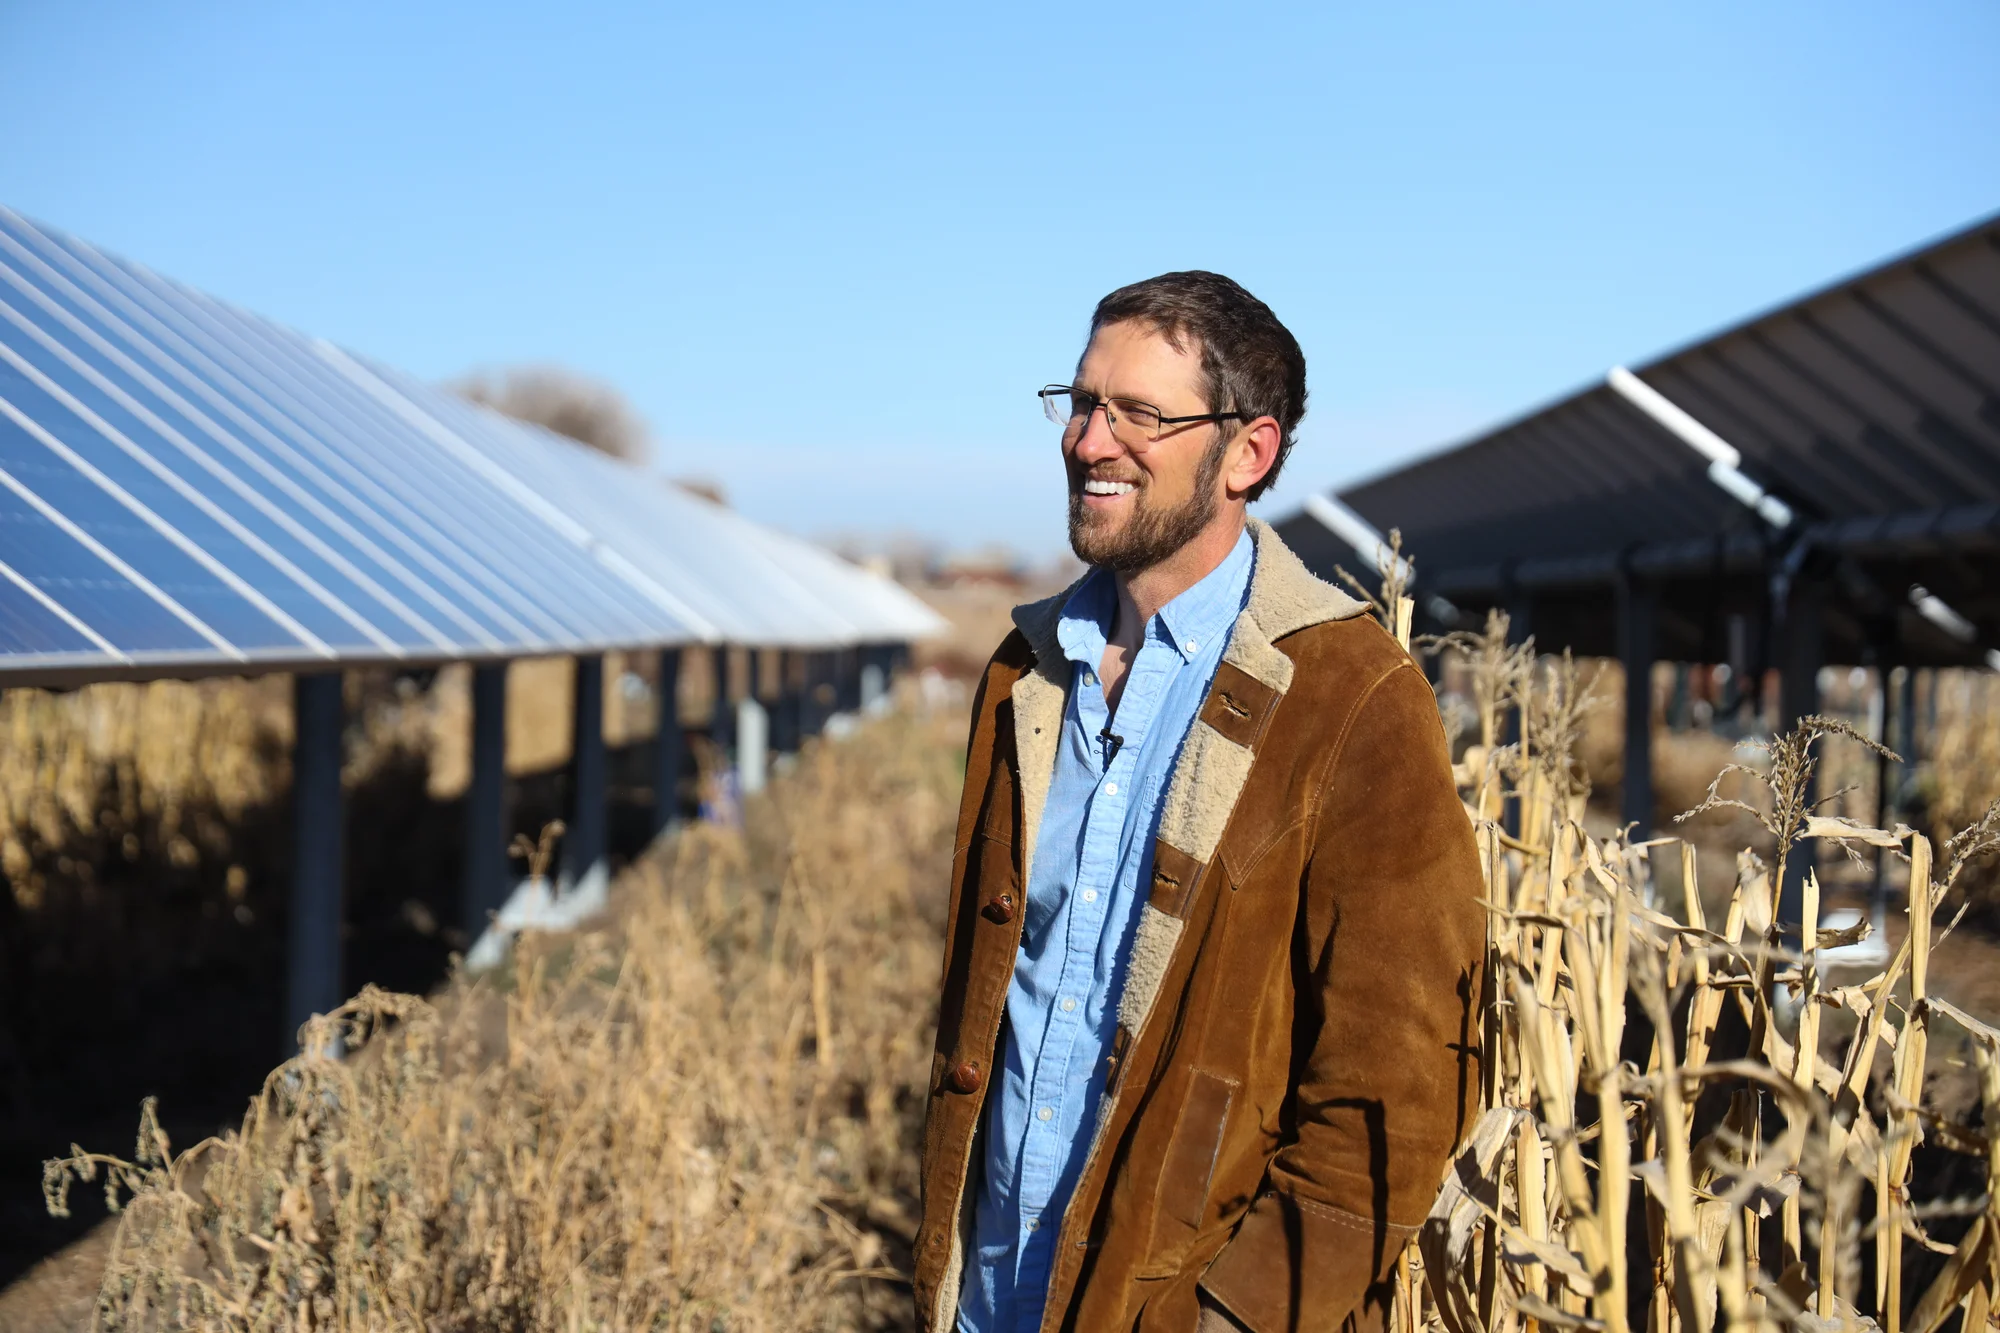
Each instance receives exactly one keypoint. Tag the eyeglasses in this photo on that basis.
(1135, 425)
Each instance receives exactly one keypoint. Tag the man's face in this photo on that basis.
(1130, 510)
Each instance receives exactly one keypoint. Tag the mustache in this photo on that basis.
(1079, 475)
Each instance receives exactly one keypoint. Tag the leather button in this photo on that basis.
(966, 1077)
(1000, 910)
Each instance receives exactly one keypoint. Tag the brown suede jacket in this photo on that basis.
(1297, 1048)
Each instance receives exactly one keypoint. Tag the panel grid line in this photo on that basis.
(193, 549)
(57, 609)
(151, 346)
(287, 414)
(214, 466)
(193, 495)
(97, 548)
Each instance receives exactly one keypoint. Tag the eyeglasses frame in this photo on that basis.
(1105, 403)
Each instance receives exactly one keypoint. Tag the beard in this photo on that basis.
(1151, 534)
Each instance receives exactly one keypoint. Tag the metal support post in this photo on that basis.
(812, 713)
(314, 984)
(1638, 618)
(1906, 725)
(669, 746)
(796, 698)
(1520, 624)
(849, 689)
(584, 867)
(873, 678)
(767, 687)
(1881, 702)
(722, 718)
(485, 886)
(753, 726)
(1520, 608)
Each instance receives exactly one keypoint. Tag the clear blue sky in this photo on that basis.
(830, 252)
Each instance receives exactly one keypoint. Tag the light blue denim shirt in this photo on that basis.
(1093, 851)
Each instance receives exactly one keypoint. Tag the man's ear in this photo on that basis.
(1252, 454)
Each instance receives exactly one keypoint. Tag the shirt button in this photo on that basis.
(1090, 895)
(1110, 789)
(1193, 647)
(1046, 1113)
(1069, 1006)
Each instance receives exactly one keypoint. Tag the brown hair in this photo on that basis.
(1252, 362)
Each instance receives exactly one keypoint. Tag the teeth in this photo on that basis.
(1108, 487)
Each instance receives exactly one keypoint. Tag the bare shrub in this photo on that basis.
(586, 410)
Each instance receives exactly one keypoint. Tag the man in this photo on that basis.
(1206, 1038)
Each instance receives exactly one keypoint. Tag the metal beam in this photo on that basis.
(1725, 464)
(1360, 535)
(485, 874)
(584, 846)
(314, 984)
(669, 746)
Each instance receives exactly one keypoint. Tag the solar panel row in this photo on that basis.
(184, 485)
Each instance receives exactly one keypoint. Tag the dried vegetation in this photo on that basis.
(700, 1119)
(1687, 1124)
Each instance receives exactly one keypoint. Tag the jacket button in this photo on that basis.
(965, 1078)
(1000, 910)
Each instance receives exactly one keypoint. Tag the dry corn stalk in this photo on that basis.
(1570, 1125)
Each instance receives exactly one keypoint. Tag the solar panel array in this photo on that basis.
(1871, 409)
(186, 486)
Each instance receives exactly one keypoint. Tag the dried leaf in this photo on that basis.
(1842, 829)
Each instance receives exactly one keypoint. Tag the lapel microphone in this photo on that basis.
(1117, 743)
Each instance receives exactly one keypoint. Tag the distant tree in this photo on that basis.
(706, 488)
(587, 410)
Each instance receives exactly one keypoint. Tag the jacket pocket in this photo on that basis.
(1189, 1168)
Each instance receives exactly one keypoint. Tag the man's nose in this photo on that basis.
(1097, 443)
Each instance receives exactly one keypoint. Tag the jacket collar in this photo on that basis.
(1285, 597)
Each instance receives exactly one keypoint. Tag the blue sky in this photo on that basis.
(830, 252)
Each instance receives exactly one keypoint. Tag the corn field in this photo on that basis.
(1668, 1136)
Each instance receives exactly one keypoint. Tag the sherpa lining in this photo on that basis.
(1152, 949)
(1208, 778)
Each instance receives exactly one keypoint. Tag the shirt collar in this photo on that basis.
(1190, 622)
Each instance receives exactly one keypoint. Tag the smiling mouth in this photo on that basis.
(1093, 486)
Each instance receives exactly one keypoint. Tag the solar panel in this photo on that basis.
(184, 485)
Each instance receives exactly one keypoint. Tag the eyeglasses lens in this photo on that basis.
(1133, 424)
(1056, 406)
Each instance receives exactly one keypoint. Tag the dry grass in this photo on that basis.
(699, 1120)
(165, 772)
